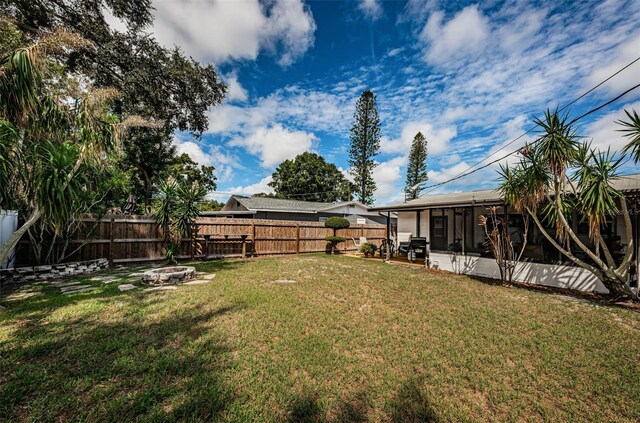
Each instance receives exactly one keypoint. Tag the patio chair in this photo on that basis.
(363, 240)
(391, 244)
(404, 242)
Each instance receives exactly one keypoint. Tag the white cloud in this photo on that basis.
(395, 51)
(221, 31)
(223, 161)
(235, 91)
(437, 138)
(372, 9)
(193, 150)
(260, 186)
(521, 31)
(291, 26)
(450, 160)
(463, 36)
(444, 174)
(275, 144)
(605, 131)
(388, 176)
(623, 55)
(330, 112)
(531, 59)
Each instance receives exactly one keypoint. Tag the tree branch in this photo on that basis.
(566, 253)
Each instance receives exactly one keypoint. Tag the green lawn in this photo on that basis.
(350, 340)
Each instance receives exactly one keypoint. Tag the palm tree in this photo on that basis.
(47, 137)
(557, 176)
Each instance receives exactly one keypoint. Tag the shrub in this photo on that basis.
(335, 240)
(368, 248)
(336, 222)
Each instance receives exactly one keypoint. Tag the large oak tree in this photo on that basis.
(160, 84)
(309, 177)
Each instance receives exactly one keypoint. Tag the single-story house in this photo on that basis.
(280, 209)
(451, 222)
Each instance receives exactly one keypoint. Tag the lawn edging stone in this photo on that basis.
(20, 275)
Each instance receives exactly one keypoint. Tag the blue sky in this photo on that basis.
(469, 76)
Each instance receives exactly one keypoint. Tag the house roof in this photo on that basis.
(279, 204)
(627, 183)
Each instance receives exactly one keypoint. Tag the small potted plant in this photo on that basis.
(368, 248)
(335, 240)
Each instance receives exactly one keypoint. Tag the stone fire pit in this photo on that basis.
(168, 275)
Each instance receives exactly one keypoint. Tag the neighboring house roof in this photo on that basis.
(627, 183)
(281, 205)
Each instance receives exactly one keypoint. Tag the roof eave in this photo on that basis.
(415, 207)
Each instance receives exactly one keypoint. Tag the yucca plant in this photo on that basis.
(631, 129)
(176, 210)
(48, 138)
(558, 176)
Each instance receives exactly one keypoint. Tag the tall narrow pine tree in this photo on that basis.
(417, 167)
(365, 143)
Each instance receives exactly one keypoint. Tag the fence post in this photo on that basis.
(111, 242)
(297, 238)
(192, 239)
(253, 239)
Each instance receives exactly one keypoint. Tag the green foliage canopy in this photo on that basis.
(337, 222)
(309, 177)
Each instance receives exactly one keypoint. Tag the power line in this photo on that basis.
(467, 173)
(469, 170)
(566, 106)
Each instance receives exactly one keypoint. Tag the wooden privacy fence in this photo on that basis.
(128, 239)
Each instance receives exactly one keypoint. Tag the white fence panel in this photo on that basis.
(8, 225)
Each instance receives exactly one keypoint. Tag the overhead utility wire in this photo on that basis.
(515, 151)
(533, 127)
(462, 174)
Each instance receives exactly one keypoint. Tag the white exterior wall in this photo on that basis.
(569, 277)
(537, 273)
(8, 225)
(407, 222)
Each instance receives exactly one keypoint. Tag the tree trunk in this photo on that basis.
(618, 289)
(17, 235)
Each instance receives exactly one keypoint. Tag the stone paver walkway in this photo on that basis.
(126, 287)
(196, 282)
(78, 289)
(22, 294)
(67, 287)
(161, 288)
